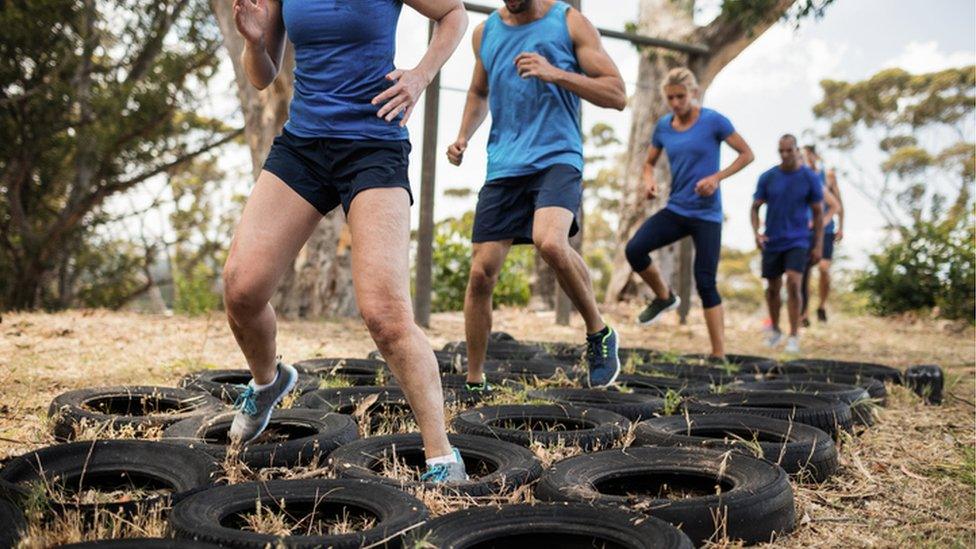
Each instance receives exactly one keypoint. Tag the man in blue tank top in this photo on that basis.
(345, 145)
(534, 60)
(793, 195)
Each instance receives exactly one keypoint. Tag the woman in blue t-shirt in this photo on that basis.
(345, 144)
(691, 136)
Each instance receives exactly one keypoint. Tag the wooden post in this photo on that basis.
(425, 230)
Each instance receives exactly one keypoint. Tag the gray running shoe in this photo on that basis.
(446, 472)
(652, 312)
(254, 407)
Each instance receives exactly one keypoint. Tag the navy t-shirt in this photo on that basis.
(788, 197)
(693, 155)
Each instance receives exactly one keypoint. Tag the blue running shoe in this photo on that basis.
(602, 359)
(446, 472)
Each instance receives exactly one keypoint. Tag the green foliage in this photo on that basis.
(929, 266)
(452, 265)
(601, 199)
(195, 293)
(738, 279)
(107, 271)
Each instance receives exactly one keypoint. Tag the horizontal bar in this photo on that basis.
(637, 39)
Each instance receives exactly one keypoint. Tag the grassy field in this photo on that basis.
(908, 481)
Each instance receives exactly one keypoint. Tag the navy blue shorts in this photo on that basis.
(774, 264)
(506, 206)
(828, 246)
(328, 172)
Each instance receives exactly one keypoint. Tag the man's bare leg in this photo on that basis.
(794, 301)
(379, 220)
(824, 282)
(487, 259)
(652, 276)
(715, 321)
(274, 226)
(773, 300)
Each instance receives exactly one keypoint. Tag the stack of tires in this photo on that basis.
(682, 452)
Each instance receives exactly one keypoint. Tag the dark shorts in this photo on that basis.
(506, 206)
(328, 172)
(828, 246)
(774, 264)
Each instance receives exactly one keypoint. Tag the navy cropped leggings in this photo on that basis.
(666, 227)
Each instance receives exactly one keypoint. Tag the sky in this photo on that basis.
(766, 91)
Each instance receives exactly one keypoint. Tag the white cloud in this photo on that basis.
(921, 57)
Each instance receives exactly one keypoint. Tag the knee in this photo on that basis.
(552, 249)
(794, 282)
(638, 257)
(824, 267)
(708, 292)
(482, 279)
(387, 324)
(243, 298)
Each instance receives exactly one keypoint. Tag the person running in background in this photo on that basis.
(832, 234)
(534, 60)
(345, 144)
(789, 191)
(691, 136)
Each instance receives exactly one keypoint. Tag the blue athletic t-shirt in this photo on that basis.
(534, 124)
(788, 196)
(829, 223)
(693, 155)
(343, 51)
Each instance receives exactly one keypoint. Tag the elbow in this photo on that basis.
(261, 83)
(747, 157)
(619, 100)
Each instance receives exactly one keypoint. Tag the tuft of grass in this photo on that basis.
(672, 402)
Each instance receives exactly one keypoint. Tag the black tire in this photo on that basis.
(357, 371)
(531, 369)
(756, 500)
(171, 471)
(564, 525)
(455, 384)
(215, 515)
(659, 386)
(633, 406)
(741, 364)
(692, 372)
(308, 433)
(862, 409)
(588, 428)
(829, 415)
(227, 385)
(875, 388)
(500, 336)
(567, 353)
(799, 449)
(495, 466)
(139, 543)
(12, 523)
(345, 400)
(127, 406)
(500, 350)
(448, 362)
(880, 372)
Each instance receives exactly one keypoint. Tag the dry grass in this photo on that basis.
(908, 481)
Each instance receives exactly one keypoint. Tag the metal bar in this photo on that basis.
(636, 39)
(423, 283)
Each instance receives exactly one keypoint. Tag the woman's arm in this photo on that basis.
(650, 182)
(708, 185)
(452, 20)
(261, 25)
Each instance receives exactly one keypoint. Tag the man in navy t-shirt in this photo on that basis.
(789, 191)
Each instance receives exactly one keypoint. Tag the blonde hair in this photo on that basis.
(680, 76)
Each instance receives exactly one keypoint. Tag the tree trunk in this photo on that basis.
(320, 282)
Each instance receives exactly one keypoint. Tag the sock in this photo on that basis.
(601, 333)
(449, 458)
(257, 387)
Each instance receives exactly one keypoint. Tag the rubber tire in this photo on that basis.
(328, 432)
(880, 372)
(759, 502)
(358, 371)
(831, 416)
(875, 388)
(448, 362)
(12, 523)
(692, 372)
(659, 386)
(456, 383)
(746, 364)
(605, 428)
(500, 350)
(856, 397)
(70, 408)
(802, 450)
(217, 383)
(139, 543)
(183, 469)
(200, 516)
(633, 406)
(512, 465)
(479, 526)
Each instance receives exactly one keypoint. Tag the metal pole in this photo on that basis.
(425, 231)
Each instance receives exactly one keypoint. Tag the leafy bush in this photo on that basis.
(452, 264)
(930, 266)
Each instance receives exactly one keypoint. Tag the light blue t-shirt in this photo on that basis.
(829, 223)
(693, 155)
(534, 124)
(788, 196)
(343, 52)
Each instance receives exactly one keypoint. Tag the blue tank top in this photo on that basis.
(534, 124)
(343, 51)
